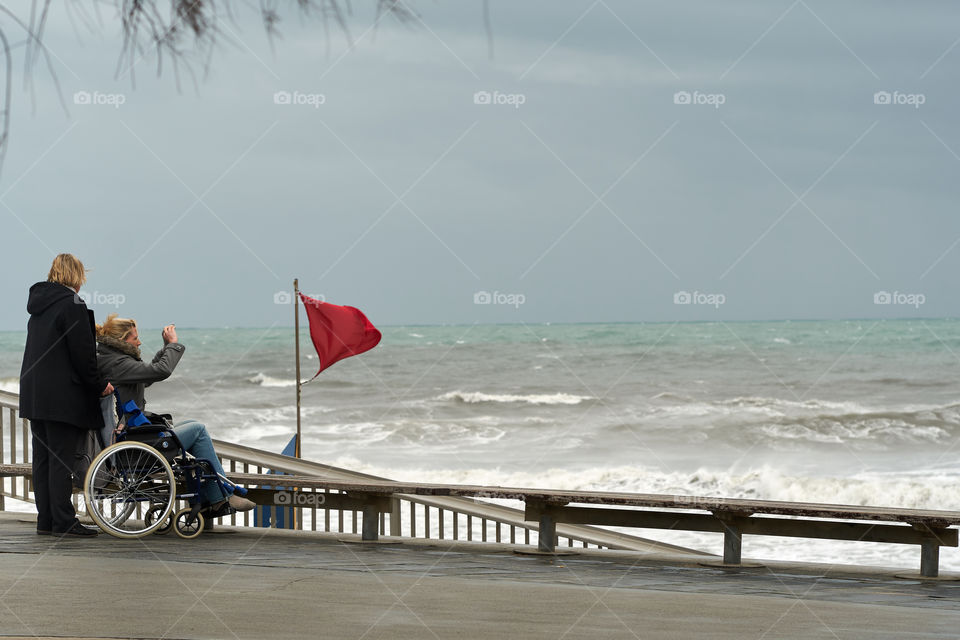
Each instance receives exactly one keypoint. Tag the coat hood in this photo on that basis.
(119, 345)
(44, 294)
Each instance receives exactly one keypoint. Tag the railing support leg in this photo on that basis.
(930, 558)
(732, 543)
(395, 517)
(548, 534)
(371, 523)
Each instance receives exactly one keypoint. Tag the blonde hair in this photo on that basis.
(68, 271)
(114, 327)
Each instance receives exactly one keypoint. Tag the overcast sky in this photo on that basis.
(612, 161)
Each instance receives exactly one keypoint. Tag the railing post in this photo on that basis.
(732, 537)
(371, 523)
(13, 453)
(930, 557)
(3, 481)
(395, 529)
(732, 544)
(548, 534)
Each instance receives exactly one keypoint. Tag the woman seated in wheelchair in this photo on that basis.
(118, 358)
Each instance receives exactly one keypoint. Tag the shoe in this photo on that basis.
(219, 510)
(240, 503)
(44, 532)
(79, 531)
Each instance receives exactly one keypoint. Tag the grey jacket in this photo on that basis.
(120, 363)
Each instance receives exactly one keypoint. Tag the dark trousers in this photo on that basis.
(54, 448)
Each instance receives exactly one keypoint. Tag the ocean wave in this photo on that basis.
(878, 431)
(445, 436)
(935, 490)
(909, 382)
(476, 397)
(667, 395)
(785, 406)
(752, 407)
(266, 381)
(253, 415)
(788, 424)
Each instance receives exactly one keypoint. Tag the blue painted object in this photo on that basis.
(134, 414)
(281, 517)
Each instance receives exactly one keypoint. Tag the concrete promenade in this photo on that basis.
(244, 583)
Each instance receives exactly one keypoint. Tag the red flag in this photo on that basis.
(338, 332)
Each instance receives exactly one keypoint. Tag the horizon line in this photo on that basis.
(567, 323)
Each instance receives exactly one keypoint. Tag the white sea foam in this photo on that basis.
(785, 406)
(252, 416)
(934, 490)
(876, 431)
(267, 381)
(930, 490)
(476, 397)
(749, 407)
(668, 395)
(446, 437)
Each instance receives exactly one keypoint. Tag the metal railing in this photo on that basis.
(425, 517)
(14, 448)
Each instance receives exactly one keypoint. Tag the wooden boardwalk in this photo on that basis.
(734, 518)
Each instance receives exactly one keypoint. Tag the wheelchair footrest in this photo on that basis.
(219, 512)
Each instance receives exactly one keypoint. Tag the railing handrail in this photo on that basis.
(9, 399)
(560, 498)
(465, 505)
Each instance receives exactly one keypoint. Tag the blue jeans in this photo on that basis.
(195, 439)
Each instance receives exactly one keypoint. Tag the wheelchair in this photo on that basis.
(132, 487)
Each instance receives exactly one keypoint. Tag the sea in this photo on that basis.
(857, 412)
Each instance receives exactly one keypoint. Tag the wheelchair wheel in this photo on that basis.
(123, 477)
(152, 515)
(185, 530)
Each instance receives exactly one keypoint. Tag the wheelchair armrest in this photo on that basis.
(145, 428)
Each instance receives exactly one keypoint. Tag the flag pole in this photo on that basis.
(296, 330)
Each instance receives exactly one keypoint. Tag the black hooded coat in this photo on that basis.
(59, 379)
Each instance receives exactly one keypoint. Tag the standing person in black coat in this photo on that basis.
(59, 389)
